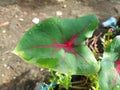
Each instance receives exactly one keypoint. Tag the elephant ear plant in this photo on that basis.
(109, 75)
(59, 44)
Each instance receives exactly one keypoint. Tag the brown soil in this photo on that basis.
(16, 18)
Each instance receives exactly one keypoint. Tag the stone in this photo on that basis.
(59, 13)
(35, 20)
(21, 19)
(64, 6)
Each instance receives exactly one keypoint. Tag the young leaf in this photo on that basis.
(59, 44)
(109, 75)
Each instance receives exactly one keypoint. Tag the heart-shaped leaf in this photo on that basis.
(109, 75)
(59, 44)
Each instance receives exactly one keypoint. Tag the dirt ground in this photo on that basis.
(16, 18)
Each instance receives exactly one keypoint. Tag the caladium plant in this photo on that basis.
(109, 75)
(59, 44)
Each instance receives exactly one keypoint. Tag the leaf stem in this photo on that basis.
(76, 87)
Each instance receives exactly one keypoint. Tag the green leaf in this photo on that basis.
(59, 44)
(109, 78)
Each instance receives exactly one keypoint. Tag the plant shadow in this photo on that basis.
(19, 83)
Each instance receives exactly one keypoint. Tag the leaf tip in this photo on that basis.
(14, 52)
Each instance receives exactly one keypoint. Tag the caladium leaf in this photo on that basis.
(59, 44)
(109, 75)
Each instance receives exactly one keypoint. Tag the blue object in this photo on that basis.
(46, 87)
(110, 22)
(43, 86)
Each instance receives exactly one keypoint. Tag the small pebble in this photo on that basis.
(14, 77)
(4, 31)
(60, 1)
(4, 23)
(64, 6)
(35, 20)
(59, 13)
(5, 65)
(41, 69)
(3, 75)
(21, 19)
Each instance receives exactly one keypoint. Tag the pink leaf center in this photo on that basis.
(118, 66)
(67, 46)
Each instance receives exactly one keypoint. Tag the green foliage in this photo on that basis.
(64, 80)
(59, 44)
(109, 78)
(106, 40)
(94, 82)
